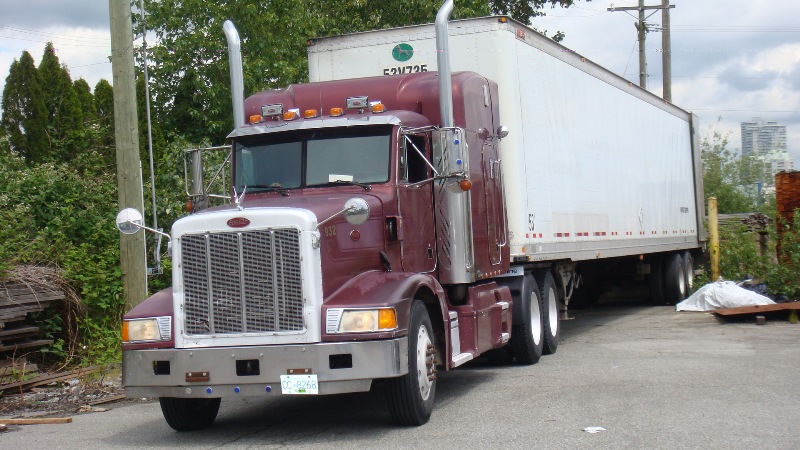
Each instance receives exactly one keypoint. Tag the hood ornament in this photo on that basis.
(237, 199)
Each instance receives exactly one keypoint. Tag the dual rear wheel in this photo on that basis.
(671, 277)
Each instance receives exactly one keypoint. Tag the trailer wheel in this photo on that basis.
(411, 396)
(189, 414)
(656, 280)
(551, 320)
(688, 268)
(527, 338)
(674, 279)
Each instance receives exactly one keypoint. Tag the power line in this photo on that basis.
(57, 35)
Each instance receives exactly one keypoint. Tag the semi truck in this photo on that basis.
(435, 193)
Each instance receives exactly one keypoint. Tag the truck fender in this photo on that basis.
(158, 304)
(395, 289)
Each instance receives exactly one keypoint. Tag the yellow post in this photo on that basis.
(713, 237)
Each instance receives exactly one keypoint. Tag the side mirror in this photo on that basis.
(129, 221)
(502, 131)
(356, 211)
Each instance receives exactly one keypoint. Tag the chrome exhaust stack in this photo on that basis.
(237, 77)
(443, 64)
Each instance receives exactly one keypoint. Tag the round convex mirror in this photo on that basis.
(356, 211)
(127, 221)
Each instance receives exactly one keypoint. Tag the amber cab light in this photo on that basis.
(310, 113)
(336, 112)
(377, 108)
(255, 118)
(387, 319)
(465, 185)
(290, 115)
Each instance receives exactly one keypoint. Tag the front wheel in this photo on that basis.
(189, 414)
(411, 396)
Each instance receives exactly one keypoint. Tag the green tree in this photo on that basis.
(727, 176)
(525, 10)
(64, 113)
(189, 65)
(104, 107)
(86, 101)
(24, 112)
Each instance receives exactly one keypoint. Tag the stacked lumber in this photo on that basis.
(17, 300)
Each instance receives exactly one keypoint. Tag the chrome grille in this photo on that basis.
(246, 282)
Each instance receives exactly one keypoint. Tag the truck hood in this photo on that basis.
(322, 204)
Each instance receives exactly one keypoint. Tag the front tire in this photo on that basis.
(412, 395)
(550, 316)
(527, 338)
(189, 414)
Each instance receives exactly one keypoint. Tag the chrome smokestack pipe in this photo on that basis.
(443, 64)
(237, 78)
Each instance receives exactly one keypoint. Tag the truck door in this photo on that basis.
(415, 197)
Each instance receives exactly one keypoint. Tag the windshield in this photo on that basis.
(311, 158)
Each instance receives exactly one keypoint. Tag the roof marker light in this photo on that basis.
(336, 112)
(291, 114)
(310, 113)
(255, 118)
(377, 107)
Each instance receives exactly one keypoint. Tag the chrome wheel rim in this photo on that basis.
(552, 311)
(536, 320)
(424, 363)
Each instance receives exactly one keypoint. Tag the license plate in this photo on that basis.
(299, 384)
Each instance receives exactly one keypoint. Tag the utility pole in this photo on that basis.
(641, 27)
(133, 259)
(666, 53)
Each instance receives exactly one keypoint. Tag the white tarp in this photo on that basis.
(722, 294)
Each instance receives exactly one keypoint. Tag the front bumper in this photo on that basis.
(228, 371)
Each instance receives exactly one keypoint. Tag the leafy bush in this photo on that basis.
(741, 256)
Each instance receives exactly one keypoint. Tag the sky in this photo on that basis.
(732, 60)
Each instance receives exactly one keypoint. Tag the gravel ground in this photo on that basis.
(65, 398)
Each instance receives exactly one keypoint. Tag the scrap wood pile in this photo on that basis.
(67, 392)
(24, 291)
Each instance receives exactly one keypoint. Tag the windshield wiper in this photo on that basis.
(353, 183)
(276, 187)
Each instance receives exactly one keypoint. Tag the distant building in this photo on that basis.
(759, 137)
(767, 141)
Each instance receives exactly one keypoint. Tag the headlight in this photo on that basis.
(360, 320)
(150, 329)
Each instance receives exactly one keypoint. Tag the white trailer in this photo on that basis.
(594, 167)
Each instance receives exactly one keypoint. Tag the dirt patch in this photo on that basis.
(91, 393)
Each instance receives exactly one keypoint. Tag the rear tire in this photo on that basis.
(550, 316)
(527, 338)
(674, 279)
(412, 395)
(656, 280)
(688, 268)
(189, 414)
